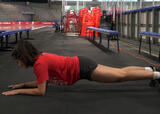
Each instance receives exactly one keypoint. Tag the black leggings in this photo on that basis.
(87, 66)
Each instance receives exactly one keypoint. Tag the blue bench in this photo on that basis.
(24, 30)
(9, 33)
(2, 31)
(142, 9)
(110, 35)
(149, 34)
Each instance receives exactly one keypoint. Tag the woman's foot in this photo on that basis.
(155, 68)
(155, 83)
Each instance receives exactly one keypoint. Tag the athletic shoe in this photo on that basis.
(155, 83)
(155, 68)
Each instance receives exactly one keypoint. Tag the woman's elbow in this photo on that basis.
(41, 93)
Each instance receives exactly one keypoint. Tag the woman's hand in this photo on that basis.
(16, 86)
(40, 90)
(13, 92)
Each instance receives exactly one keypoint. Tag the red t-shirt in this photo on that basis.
(55, 68)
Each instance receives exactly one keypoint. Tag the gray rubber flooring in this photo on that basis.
(84, 97)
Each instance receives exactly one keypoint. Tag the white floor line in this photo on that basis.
(39, 27)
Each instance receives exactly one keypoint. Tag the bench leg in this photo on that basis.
(28, 34)
(100, 38)
(93, 35)
(16, 35)
(90, 34)
(108, 37)
(2, 42)
(7, 41)
(140, 40)
(149, 45)
(86, 33)
(159, 56)
(117, 42)
(20, 35)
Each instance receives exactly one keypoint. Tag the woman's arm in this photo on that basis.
(25, 84)
(40, 90)
(30, 84)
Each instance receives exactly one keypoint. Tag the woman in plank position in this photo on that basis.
(65, 70)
